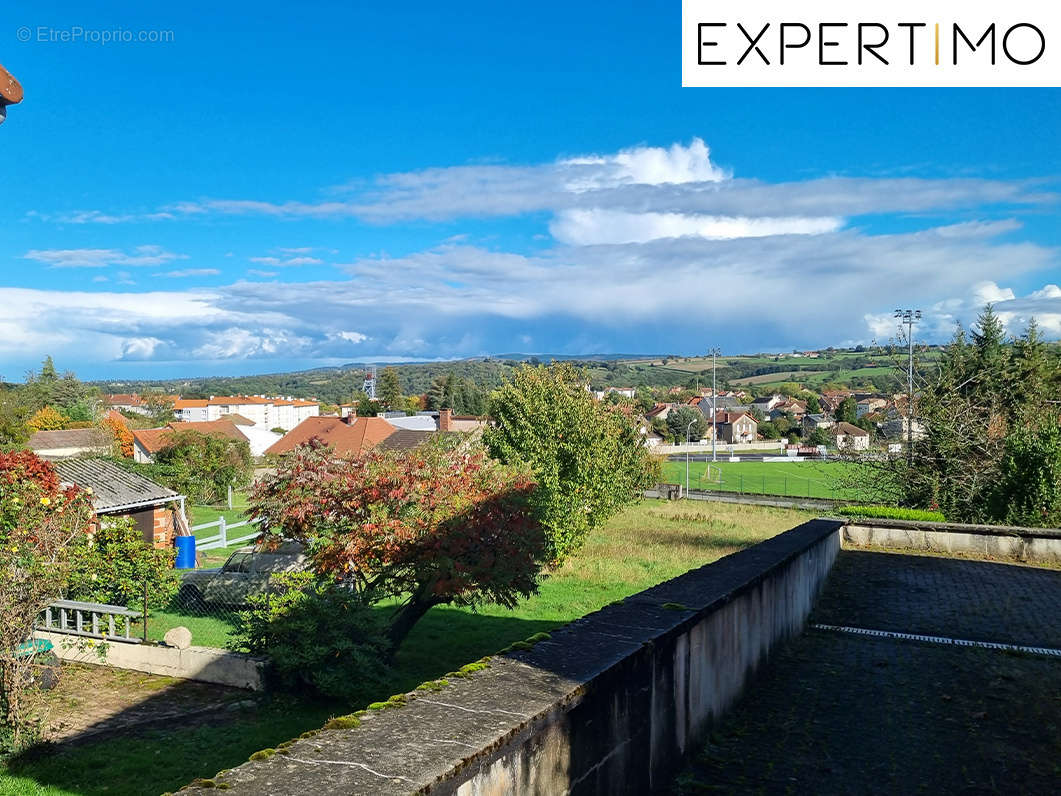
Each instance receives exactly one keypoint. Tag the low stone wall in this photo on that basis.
(610, 704)
(1019, 544)
(206, 664)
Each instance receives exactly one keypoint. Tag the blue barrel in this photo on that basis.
(185, 551)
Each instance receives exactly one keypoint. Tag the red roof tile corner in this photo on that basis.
(345, 439)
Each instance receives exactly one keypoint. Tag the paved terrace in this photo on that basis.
(836, 712)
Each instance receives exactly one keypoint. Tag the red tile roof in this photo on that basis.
(346, 439)
(153, 440)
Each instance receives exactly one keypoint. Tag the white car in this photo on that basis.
(246, 573)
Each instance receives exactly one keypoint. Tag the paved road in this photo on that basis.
(744, 457)
(836, 713)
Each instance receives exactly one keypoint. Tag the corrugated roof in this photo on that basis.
(406, 439)
(111, 485)
(70, 438)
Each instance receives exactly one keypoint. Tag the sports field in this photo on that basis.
(835, 480)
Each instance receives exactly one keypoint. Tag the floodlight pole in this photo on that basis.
(909, 317)
(688, 429)
(714, 407)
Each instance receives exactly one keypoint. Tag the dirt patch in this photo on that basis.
(91, 701)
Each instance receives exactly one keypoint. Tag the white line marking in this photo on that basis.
(994, 645)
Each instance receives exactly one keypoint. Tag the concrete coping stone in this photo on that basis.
(436, 735)
(953, 527)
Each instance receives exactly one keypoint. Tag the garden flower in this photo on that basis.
(46, 501)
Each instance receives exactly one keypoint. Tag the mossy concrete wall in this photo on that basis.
(1034, 545)
(611, 704)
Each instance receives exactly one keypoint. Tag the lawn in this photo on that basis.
(644, 545)
(792, 479)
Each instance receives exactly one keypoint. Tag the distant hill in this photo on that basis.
(856, 368)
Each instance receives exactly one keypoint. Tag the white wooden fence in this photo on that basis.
(222, 539)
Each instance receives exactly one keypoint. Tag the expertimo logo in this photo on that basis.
(899, 43)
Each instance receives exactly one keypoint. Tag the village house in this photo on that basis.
(767, 403)
(267, 413)
(790, 406)
(720, 404)
(816, 421)
(850, 437)
(129, 402)
(733, 427)
(869, 406)
(352, 435)
(659, 410)
(149, 441)
(156, 511)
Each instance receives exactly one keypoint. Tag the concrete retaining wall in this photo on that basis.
(1019, 544)
(677, 491)
(611, 704)
(194, 663)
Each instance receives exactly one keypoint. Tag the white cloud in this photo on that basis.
(100, 258)
(643, 166)
(678, 179)
(1047, 292)
(987, 292)
(283, 262)
(591, 227)
(352, 337)
(187, 272)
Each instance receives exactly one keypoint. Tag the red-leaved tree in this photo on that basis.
(430, 526)
(41, 524)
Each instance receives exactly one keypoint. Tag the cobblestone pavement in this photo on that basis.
(959, 598)
(835, 713)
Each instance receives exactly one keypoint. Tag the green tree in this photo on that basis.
(678, 424)
(1028, 491)
(14, 419)
(159, 406)
(389, 390)
(818, 436)
(203, 466)
(587, 457)
(847, 411)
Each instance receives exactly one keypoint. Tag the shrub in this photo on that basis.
(113, 565)
(891, 513)
(316, 634)
(40, 524)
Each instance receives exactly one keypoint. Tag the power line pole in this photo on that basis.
(714, 406)
(909, 317)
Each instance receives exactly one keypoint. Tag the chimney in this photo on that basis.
(445, 417)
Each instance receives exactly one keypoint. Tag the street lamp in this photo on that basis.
(909, 317)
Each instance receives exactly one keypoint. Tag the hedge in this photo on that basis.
(891, 513)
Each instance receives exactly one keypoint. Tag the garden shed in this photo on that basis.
(156, 510)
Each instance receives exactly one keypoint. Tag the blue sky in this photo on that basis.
(283, 186)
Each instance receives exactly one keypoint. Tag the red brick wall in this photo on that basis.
(163, 527)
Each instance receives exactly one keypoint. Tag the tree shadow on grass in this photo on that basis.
(152, 758)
